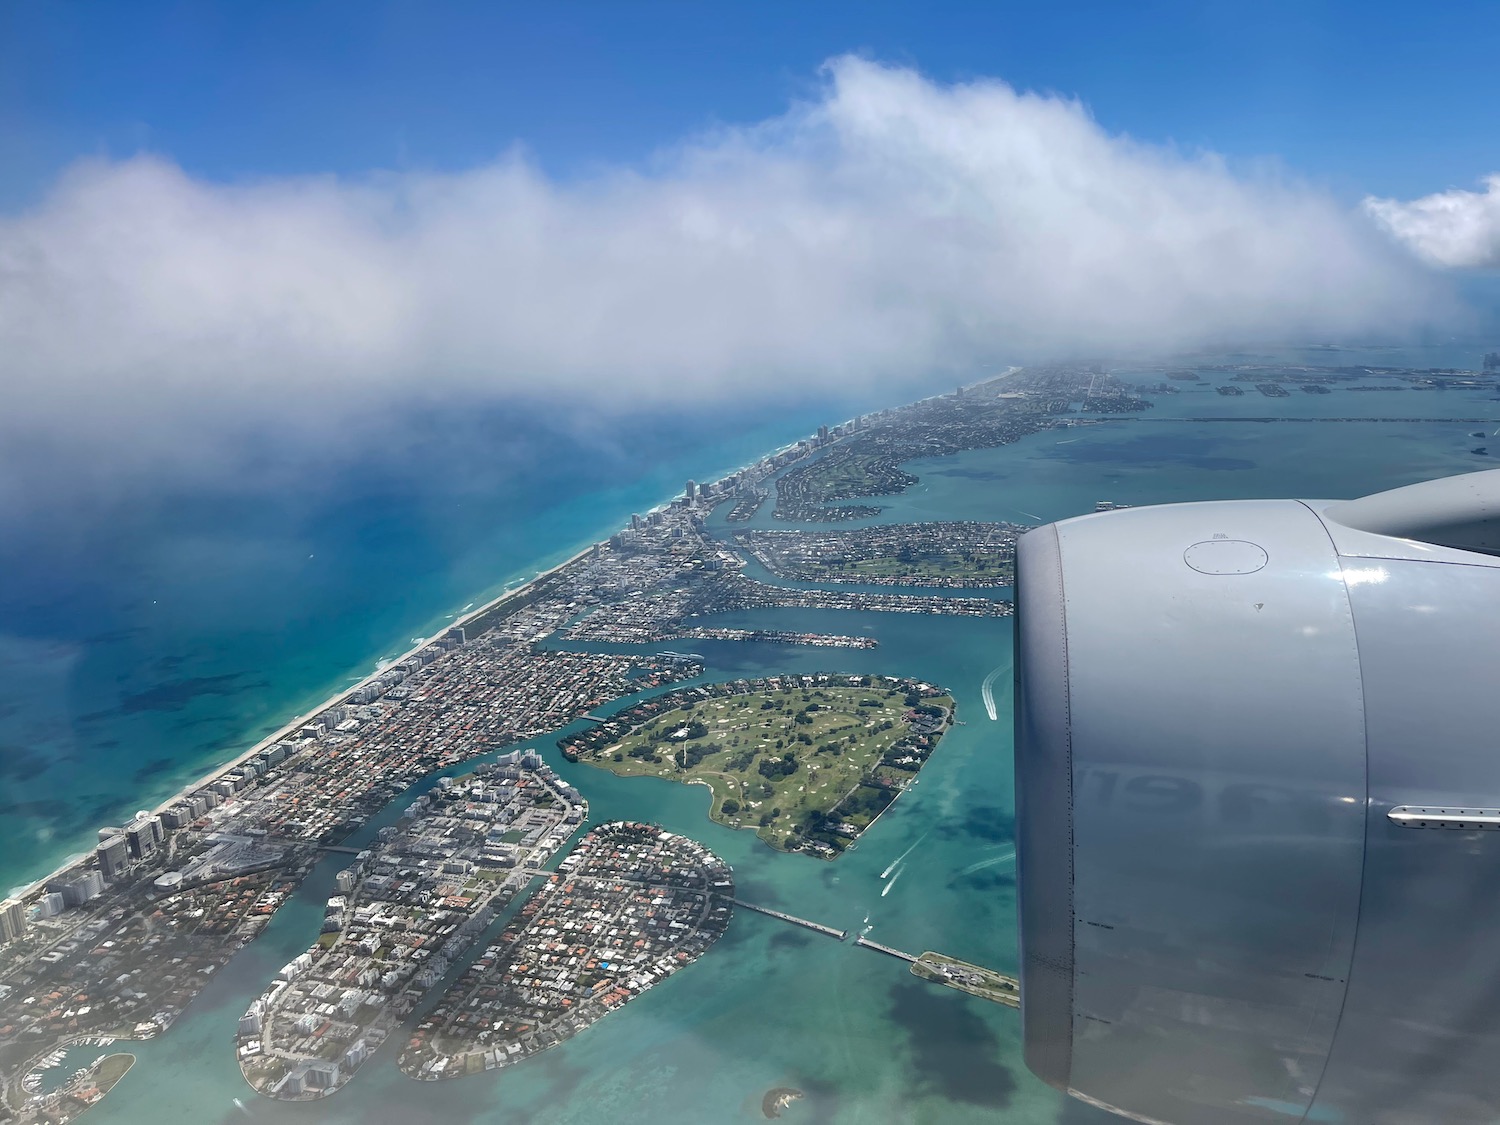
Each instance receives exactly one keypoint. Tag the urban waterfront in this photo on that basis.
(772, 1007)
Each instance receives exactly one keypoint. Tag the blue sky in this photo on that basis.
(223, 220)
(1386, 98)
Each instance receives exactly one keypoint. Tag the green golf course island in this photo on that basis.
(808, 762)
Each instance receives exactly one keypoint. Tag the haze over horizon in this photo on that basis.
(883, 225)
(323, 324)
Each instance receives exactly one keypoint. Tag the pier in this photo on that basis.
(875, 945)
(793, 919)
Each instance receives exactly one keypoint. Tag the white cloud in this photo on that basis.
(890, 226)
(1447, 228)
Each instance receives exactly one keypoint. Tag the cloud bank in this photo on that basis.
(1448, 228)
(887, 227)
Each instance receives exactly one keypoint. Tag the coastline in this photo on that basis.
(72, 861)
(69, 1086)
(296, 720)
(382, 662)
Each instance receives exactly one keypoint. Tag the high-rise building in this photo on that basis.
(691, 492)
(178, 816)
(158, 833)
(50, 904)
(12, 920)
(114, 856)
(323, 1075)
(144, 834)
(76, 892)
(90, 885)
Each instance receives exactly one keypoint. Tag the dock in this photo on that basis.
(840, 935)
(875, 945)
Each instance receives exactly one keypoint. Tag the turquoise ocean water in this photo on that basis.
(770, 1005)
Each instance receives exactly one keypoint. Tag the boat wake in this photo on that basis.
(895, 863)
(885, 890)
(983, 863)
(987, 692)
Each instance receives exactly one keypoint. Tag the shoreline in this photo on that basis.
(68, 1044)
(297, 720)
(381, 662)
(73, 860)
(596, 757)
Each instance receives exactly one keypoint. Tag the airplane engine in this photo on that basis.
(1258, 789)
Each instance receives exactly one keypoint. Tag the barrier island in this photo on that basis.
(953, 554)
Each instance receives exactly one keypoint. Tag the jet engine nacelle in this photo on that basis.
(1258, 782)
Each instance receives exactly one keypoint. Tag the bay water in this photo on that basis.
(770, 1005)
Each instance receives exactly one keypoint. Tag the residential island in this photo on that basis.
(409, 907)
(809, 761)
(956, 554)
(630, 905)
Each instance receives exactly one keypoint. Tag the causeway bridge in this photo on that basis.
(818, 927)
(875, 945)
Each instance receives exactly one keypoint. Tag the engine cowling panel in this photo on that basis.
(1202, 822)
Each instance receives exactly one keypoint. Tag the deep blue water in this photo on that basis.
(142, 647)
